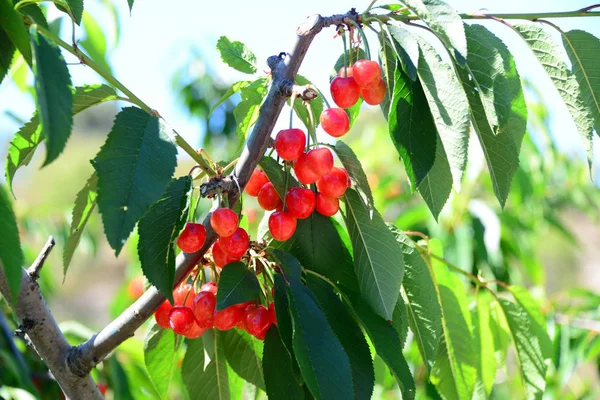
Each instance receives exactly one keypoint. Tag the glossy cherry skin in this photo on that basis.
(236, 245)
(258, 321)
(303, 172)
(192, 237)
(204, 305)
(333, 184)
(209, 287)
(300, 202)
(290, 144)
(320, 161)
(327, 206)
(181, 319)
(375, 95)
(195, 331)
(228, 318)
(347, 73)
(335, 122)
(282, 225)
(273, 315)
(220, 258)
(366, 73)
(344, 91)
(181, 294)
(224, 221)
(256, 181)
(161, 315)
(268, 198)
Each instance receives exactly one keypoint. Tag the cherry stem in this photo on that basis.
(346, 53)
(312, 131)
(292, 104)
(364, 39)
(321, 95)
(287, 181)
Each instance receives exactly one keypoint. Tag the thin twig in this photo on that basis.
(36, 267)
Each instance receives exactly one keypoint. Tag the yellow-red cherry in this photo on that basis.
(236, 245)
(346, 73)
(224, 221)
(181, 319)
(209, 287)
(335, 121)
(256, 181)
(184, 295)
(300, 202)
(334, 184)
(220, 258)
(327, 206)
(290, 143)
(258, 321)
(282, 225)
(366, 73)
(303, 172)
(375, 95)
(192, 237)
(268, 198)
(228, 318)
(344, 91)
(320, 161)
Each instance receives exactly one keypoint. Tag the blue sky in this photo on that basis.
(157, 39)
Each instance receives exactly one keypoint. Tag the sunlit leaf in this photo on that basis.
(11, 254)
(236, 55)
(160, 355)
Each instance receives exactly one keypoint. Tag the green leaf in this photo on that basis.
(282, 312)
(449, 106)
(315, 106)
(13, 26)
(130, 4)
(412, 127)
(117, 380)
(549, 56)
(388, 61)
(246, 112)
(158, 231)
(582, 48)
(529, 348)
(53, 95)
(377, 256)
(234, 88)
(277, 175)
(523, 297)
(354, 169)
(7, 50)
(11, 254)
(349, 334)
(26, 141)
(94, 41)
(237, 55)
(242, 352)
(85, 202)
(237, 284)
(160, 356)
(400, 320)
(484, 341)
(445, 22)
(35, 13)
(406, 48)
(437, 185)
(388, 346)
(324, 363)
(76, 7)
(278, 369)
(422, 307)
(134, 167)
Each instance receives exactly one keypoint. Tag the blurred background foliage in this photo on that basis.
(546, 238)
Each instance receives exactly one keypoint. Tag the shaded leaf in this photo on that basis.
(482, 332)
(352, 165)
(246, 112)
(53, 95)
(85, 202)
(13, 27)
(76, 7)
(127, 185)
(276, 174)
(237, 284)
(278, 370)
(236, 55)
(11, 254)
(243, 354)
(158, 231)
(7, 50)
(316, 105)
(377, 256)
(35, 13)
(437, 185)
(160, 356)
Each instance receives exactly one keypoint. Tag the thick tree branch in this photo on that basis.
(42, 332)
(284, 68)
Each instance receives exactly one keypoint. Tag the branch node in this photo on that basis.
(36, 267)
(219, 184)
(76, 363)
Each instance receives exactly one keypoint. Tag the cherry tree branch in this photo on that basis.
(284, 68)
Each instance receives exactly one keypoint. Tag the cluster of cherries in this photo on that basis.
(194, 313)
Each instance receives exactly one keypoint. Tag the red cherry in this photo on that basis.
(195, 331)
(181, 294)
(290, 143)
(282, 225)
(258, 321)
(204, 305)
(228, 318)
(349, 72)
(300, 202)
(327, 206)
(375, 95)
(220, 258)
(207, 323)
(273, 315)
(181, 319)
(333, 184)
(366, 73)
(224, 221)
(135, 288)
(242, 322)
(236, 245)
(303, 172)
(335, 122)
(345, 91)
(161, 315)
(256, 181)
(192, 238)
(320, 161)
(209, 287)
(244, 305)
(268, 198)
(102, 387)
